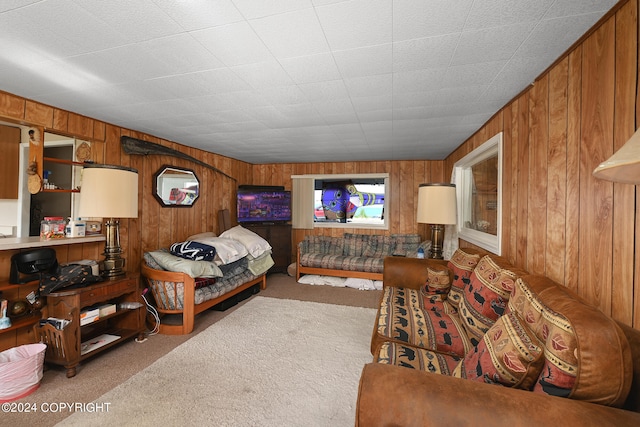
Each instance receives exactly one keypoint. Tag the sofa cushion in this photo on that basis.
(484, 297)
(406, 244)
(508, 354)
(354, 244)
(391, 353)
(404, 319)
(436, 287)
(378, 246)
(461, 265)
(341, 262)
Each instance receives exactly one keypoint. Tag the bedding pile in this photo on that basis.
(218, 264)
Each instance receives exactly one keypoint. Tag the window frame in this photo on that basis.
(303, 205)
(490, 148)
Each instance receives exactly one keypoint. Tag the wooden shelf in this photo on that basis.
(21, 322)
(65, 347)
(65, 162)
(59, 190)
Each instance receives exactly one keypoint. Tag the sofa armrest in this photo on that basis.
(398, 396)
(411, 273)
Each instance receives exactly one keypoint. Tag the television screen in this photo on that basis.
(264, 206)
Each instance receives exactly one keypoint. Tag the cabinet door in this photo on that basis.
(9, 173)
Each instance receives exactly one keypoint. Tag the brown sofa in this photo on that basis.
(397, 389)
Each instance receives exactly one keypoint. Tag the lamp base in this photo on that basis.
(437, 237)
(112, 267)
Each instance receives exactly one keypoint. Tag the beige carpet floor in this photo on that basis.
(271, 363)
(98, 375)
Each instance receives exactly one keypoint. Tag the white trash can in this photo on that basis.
(20, 371)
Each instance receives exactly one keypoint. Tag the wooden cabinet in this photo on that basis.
(279, 237)
(9, 173)
(65, 347)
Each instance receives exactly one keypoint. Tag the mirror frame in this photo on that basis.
(160, 200)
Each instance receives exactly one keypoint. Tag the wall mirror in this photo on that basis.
(176, 187)
(478, 178)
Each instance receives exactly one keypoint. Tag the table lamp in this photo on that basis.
(437, 206)
(111, 192)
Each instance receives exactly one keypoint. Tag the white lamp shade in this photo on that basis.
(437, 203)
(108, 192)
(624, 165)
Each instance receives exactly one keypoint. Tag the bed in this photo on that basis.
(183, 288)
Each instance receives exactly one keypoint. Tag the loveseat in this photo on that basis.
(475, 341)
(354, 255)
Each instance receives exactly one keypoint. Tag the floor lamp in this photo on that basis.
(437, 206)
(109, 192)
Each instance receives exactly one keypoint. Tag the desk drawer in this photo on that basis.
(105, 290)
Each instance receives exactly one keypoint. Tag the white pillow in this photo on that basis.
(182, 265)
(313, 279)
(255, 244)
(202, 235)
(227, 250)
(362, 284)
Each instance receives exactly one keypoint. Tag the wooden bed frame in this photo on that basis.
(300, 270)
(156, 279)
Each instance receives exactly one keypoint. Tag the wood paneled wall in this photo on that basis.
(156, 227)
(405, 177)
(558, 220)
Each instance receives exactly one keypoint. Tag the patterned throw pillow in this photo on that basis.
(461, 264)
(437, 285)
(508, 354)
(560, 369)
(484, 298)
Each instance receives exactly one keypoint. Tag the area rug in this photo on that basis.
(272, 362)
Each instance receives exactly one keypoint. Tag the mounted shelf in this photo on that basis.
(65, 162)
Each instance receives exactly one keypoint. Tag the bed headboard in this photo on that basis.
(224, 221)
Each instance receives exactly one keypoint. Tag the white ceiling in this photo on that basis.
(271, 81)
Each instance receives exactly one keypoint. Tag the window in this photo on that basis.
(348, 201)
(478, 178)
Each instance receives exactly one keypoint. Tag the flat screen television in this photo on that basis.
(264, 206)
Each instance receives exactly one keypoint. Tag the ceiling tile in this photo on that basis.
(263, 74)
(252, 9)
(198, 14)
(365, 61)
(416, 19)
(281, 34)
(373, 24)
(498, 13)
(133, 21)
(492, 44)
(234, 44)
(312, 68)
(437, 52)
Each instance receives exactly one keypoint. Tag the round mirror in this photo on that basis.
(176, 187)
